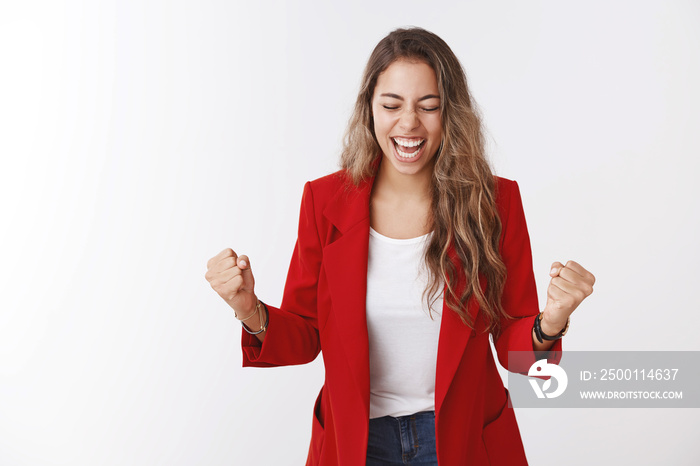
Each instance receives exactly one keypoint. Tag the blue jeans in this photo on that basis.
(402, 440)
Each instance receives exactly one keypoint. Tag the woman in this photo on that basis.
(406, 260)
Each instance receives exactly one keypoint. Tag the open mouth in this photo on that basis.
(408, 148)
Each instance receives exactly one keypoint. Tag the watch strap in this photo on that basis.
(541, 336)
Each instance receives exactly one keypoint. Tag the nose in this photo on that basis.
(409, 120)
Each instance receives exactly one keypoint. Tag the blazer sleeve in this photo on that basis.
(520, 291)
(292, 332)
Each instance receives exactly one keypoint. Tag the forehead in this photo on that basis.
(407, 79)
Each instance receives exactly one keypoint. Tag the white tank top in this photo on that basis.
(403, 339)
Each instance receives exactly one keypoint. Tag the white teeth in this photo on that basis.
(406, 155)
(408, 142)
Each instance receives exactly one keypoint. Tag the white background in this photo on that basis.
(138, 139)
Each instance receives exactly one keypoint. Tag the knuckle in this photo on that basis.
(228, 263)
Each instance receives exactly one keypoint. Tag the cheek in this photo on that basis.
(381, 127)
(436, 128)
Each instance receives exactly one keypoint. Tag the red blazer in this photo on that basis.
(323, 308)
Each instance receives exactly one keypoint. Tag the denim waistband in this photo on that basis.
(402, 440)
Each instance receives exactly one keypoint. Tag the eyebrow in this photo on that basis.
(396, 96)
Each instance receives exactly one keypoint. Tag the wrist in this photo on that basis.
(262, 321)
(242, 313)
(550, 331)
(552, 326)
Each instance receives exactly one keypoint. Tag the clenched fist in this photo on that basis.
(232, 279)
(570, 285)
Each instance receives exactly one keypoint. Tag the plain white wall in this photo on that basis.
(139, 138)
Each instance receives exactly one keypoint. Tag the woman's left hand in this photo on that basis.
(570, 285)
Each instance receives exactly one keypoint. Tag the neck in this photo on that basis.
(389, 182)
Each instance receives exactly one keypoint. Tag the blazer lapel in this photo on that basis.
(345, 262)
(454, 335)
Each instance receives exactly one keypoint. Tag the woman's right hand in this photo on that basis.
(232, 279)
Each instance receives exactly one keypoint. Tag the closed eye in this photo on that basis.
(389, 108)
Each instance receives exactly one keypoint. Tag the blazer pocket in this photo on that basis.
(502, 441)
(317, 431)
